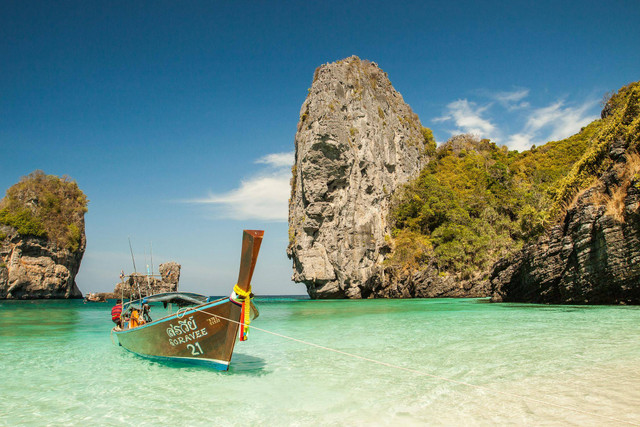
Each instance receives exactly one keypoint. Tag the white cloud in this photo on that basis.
(513, 96)
(508, 117)
(512, 100)
(554, 122)
(467, 116)
(520, 141)
(277, 159)
(543, 117)
(262, 197)
(560, 121)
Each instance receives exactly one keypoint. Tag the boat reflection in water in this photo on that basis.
(202, 331)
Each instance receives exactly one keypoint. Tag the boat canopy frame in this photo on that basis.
(182, 299)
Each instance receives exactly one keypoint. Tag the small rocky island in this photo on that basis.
(42, 238)
(376, 210)
(141, 284)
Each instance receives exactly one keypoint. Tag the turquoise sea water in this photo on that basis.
(58, 366)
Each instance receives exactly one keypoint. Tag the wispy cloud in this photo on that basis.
(551, 123)
(262, 197)
(467, 116)
(277, 159)
(561, 120)
(512, 100)
(507, 117)
(520, 141)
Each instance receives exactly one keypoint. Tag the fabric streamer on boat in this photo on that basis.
(415, 371)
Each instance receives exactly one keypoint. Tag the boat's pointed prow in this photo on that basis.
(251, 241)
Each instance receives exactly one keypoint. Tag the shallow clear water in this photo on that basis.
(58, 366)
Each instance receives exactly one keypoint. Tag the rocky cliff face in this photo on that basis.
(428, 283)
(592, 256)
(33, 267)
(137, 282)
(357, 140)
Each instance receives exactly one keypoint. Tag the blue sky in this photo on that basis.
(177, 119)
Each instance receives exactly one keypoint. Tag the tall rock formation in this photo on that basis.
(42, 238)
(592, 255)
(357, 140)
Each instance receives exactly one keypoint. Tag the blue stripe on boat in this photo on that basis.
(174, 316)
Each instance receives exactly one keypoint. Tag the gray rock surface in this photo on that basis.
(428, 283)
(34, 268)
(138, 282)
(357, 140)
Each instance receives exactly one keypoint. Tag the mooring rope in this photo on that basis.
(416, 371)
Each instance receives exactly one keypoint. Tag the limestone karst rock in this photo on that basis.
(42, 238)
(590, 258)
(592, 255)
(357, 140)
(35, 268)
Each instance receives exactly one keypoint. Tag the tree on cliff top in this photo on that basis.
(46, 206)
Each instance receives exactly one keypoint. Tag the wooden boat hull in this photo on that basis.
(193, 335)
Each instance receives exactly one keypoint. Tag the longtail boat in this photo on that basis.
(202, 331)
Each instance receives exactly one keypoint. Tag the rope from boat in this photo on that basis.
(415, 371)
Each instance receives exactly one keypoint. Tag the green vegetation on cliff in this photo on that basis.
(476, 202)
(459, 212)
(47, 206)
(621, 124)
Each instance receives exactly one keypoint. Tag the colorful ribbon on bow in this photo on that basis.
(245, 314)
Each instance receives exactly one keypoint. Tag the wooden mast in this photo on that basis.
(251, 240)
